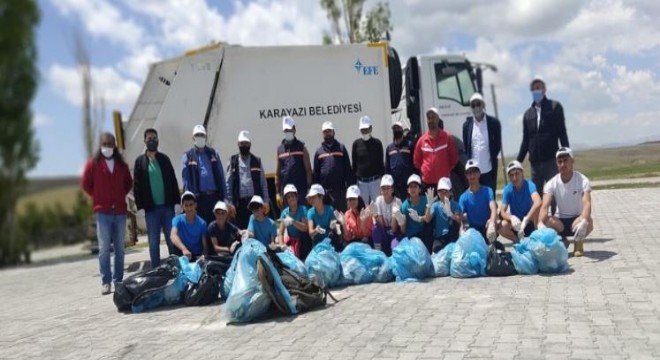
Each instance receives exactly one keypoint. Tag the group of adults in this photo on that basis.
(379, 197)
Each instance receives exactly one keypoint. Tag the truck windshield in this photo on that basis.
(454, 82)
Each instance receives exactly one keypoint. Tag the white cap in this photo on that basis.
(199, 129)
(288, 123)
(256, 199)
(315, 189)
(472, 164)
(386, 180)
(513, 165)
(290, 188)
(327, 126)
(398, 123)
(187, 195)
(476, 96)
(220, 205)
(444, 184)
(353, 192)
(433, 110)
(535, 79)
(244, 136)
(564, 151)
(366, 122)
(414, 178)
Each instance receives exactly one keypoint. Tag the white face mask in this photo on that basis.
(200, 142)
(366, 137)
(107, 151)
(288, 136)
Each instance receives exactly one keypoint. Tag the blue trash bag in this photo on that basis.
(411, 261)
(279, 288)
(247, 299)
(442, 260)
(292, 262)
(523, 259)
(361, 264)
(192, 271)
(228, 281)
(549, 252)
(171, 294)
(469, 256)
(323, 261)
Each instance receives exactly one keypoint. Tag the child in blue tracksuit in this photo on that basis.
(445, 215)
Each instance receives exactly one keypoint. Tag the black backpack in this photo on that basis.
(499, 262)
(307, 293)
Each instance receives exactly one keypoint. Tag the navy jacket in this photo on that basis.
(541, 141)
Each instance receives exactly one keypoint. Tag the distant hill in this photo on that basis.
(41, 184)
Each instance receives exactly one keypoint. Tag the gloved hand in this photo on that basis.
(446, 207)
(430, 196)
(334, 224)
(515, 223)
(365, 214)
(523, 225)
(491, 233)
(288, 221)
(540, 225)
(580, 230)
(340, 217)
(398, 216)
(177, 209)
(140, 213)
(319, 230)
(244, 234)
(373, 208)
(414, 216)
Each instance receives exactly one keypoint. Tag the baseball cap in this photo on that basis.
(288, 123)
(444, 184)
(290, 188)
(398, 123)
(433, 110)
(220, 205)
(315, 189)
(513, 165)
(472, 164)
(256, 199)
(386, 180)
(244, 136)
(187, 196)
(414, 178)
(199, 129)
(366, 122)
(353, 192)
(476, 96)
(536, 78)
(327, 126)
(564, 151)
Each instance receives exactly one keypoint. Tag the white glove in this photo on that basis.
(430, 196)
(515, 223)
(365, 214)
(334, 224)
(177, 209)
(580, 230)
(523, 225)
(244, 234)
(446, 207)
(373, 208)
(319, 230)
(541, 225)
(414, 215)
(288, 221)
(340, 217)
(140, 213)
(491, 234)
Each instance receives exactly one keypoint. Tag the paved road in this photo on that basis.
(607, 307)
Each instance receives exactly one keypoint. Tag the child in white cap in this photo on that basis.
(385, 219)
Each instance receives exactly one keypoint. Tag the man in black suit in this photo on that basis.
(544, 127)
(482, 136)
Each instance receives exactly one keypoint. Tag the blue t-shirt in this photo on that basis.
(192, 235)
(300, 215)
(263, 231)
(440, 220)
(414, 228)
(322, 220)
(519, 201)
(477, 205)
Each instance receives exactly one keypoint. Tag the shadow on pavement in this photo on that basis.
(597, 240)
(81, 256)
(568, 272)
(599, 255)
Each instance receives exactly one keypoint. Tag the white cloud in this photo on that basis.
(41, 120)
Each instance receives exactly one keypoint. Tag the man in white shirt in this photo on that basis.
(572, 193)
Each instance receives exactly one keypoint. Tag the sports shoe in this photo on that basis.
(105, 289)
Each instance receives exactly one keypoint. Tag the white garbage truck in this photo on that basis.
(230, 88)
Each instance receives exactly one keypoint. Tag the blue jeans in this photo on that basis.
(111, 228)
(157, 219)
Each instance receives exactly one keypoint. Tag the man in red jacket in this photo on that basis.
(435, 152)
(107, 179)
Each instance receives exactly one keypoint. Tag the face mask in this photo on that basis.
(478, 110)
(398, 134)
(537, 95)
(200, 142)
(152, 145)
(366, 137)
(245, 150)
(107, 152)
(288, 136)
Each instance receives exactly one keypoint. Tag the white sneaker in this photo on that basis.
(105, 289)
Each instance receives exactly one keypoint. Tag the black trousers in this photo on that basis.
(243, 213)
(489, 179)
(205, 204)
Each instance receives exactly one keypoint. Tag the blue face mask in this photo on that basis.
(537, 95)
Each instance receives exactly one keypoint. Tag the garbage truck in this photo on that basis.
(230, 88)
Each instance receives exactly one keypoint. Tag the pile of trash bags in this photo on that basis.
(362, 265)
(469, 256)
(542, 252)
(411, 261)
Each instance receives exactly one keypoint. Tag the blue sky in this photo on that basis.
(599, 57)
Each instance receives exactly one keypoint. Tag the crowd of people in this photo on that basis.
(413, 187)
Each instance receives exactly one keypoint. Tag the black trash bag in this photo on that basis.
(217, 264)
(138, 285)
(499, 262)
(122, 298)
(207, 290)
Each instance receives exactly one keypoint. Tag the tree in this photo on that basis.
(350, 26)
(18, 148)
